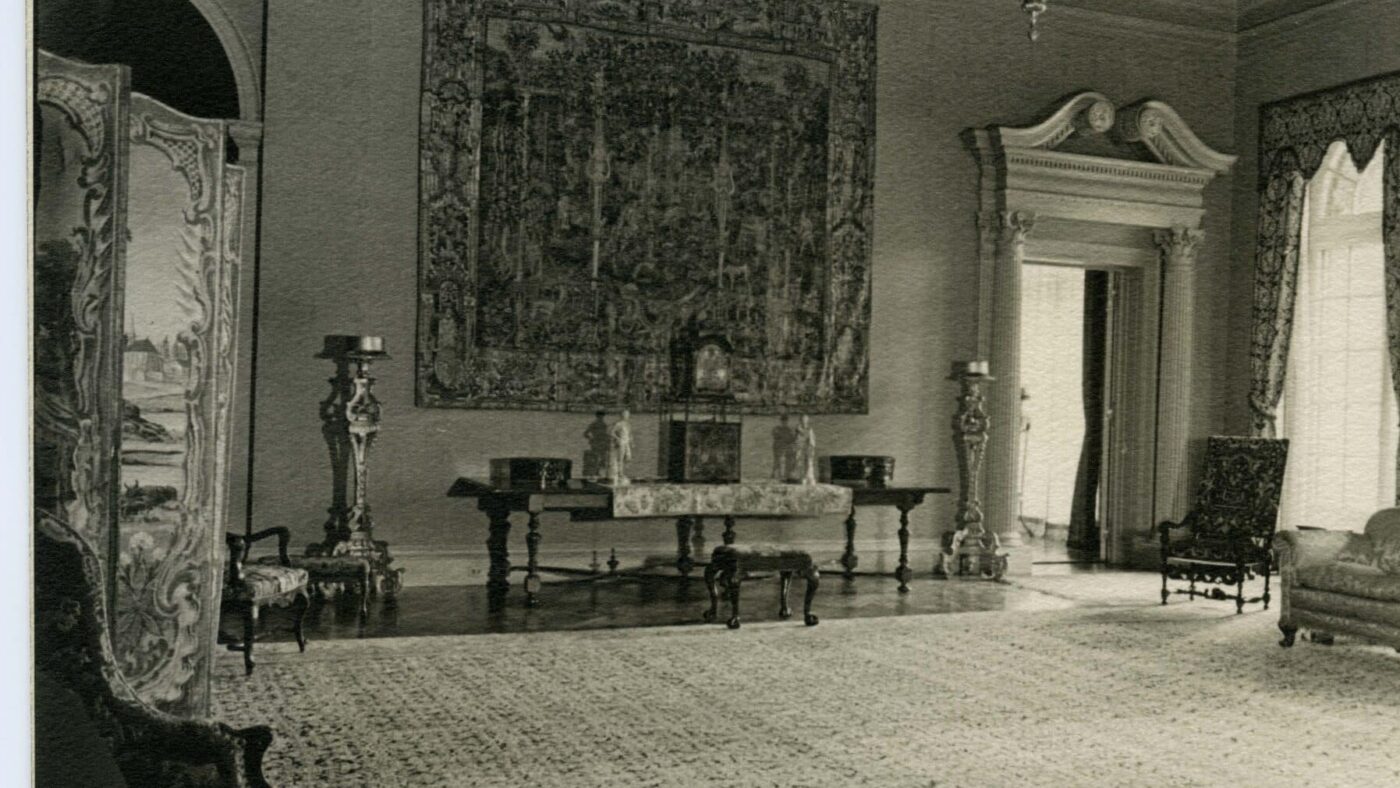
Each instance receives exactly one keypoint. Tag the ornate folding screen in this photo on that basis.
(594, 173)
(1294, 135)
(138, 236)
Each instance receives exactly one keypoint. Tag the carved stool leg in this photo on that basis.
(813, 579)
(298, 623)
(1289, 633)
(712, 578)
(250, 626)
(784, 583)
(1239, 592)
(697, 540)
(684, 563)
(732, 580)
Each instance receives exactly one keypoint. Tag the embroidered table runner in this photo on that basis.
(753, 499)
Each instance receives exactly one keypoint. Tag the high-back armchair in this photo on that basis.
(1227, 536)
(91, 728)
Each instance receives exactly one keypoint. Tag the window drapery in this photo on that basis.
(1294, 136)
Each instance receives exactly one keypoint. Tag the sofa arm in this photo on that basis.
(1315, 546)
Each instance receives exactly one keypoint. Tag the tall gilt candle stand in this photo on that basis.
(349, 422)
(969, 548)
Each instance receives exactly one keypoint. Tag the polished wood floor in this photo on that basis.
(577, 604)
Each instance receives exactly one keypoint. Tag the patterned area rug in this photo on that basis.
(1184, 695)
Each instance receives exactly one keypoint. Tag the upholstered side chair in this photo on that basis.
(249, 587)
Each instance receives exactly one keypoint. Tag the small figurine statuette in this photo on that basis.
(784, 450)
(807, 450)
(620, 449)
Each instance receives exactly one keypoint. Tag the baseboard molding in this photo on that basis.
(448, 565)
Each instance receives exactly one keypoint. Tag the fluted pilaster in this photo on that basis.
(1178, 251)
(1004, 400)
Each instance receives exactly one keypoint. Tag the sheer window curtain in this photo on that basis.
(1338, 408)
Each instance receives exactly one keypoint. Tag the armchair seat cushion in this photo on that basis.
(269, 581)
(1353, 579)
(323, 567)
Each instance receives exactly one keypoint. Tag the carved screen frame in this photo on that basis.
(85, 431)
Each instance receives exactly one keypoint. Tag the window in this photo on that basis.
(1340, 412)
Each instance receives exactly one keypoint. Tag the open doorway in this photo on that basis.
(1064, 355)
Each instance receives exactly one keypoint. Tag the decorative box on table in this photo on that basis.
(701, 440)
(867, 469)
(530, 471)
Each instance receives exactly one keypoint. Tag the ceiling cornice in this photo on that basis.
(1212, 16)
(1215, 15)
(1254, 13)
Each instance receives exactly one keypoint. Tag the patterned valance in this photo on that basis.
(1294, 133)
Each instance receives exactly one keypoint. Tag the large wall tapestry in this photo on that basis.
(596, 173)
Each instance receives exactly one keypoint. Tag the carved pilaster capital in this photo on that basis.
(1179, 245)
(1015, 226)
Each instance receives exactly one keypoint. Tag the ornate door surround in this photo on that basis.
(1141, 218)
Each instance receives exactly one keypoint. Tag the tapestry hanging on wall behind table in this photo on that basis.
(596, 173)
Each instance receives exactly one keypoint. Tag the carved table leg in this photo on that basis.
(498, 576)
(732, 579)
(712, 579)
(813, 580)
(784, 583)
(683, 560)
(697, 540)
(848, 559)
(903, 573)
(532, 549)
(729, 529)
(1289, 633)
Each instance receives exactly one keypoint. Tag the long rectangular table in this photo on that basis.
(689, 504)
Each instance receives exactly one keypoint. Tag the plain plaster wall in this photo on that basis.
(339, 247)
(1321, 48)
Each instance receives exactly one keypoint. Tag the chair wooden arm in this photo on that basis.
(1167, 526)
(239, 544)
(284, 537)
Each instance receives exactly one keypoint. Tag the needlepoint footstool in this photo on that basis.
(730, 564)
